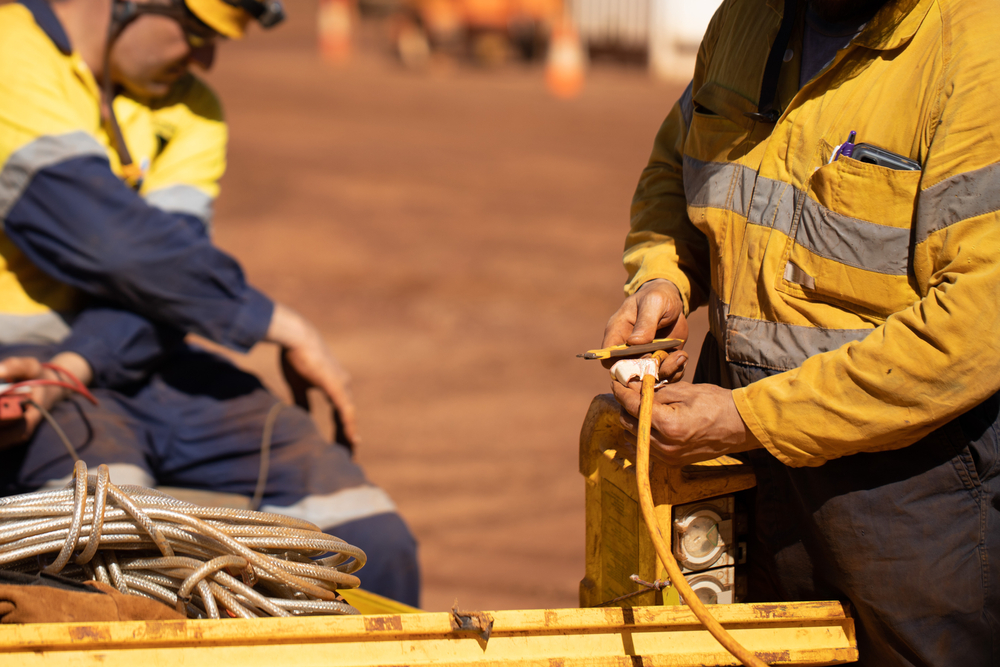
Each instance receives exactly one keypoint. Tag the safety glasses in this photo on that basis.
(197, 34)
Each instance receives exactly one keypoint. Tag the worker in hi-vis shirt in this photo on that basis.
(110, 158)
(828, 187)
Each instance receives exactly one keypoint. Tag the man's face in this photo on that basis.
(846, 10)
(153, 52)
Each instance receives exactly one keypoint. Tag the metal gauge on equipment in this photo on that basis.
(703, 535)
(715, 587)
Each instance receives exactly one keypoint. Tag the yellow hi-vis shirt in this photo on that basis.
(49, 113)
(875, 290)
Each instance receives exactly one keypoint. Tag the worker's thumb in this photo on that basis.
(651, 312)
(16, 369)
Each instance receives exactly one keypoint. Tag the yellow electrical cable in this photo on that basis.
(662, 550)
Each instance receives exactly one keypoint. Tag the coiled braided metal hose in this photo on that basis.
(199, 560)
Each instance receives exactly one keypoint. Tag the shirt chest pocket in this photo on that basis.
(850, 244)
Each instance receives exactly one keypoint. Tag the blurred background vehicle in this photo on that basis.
(661, 35)
(488, 32)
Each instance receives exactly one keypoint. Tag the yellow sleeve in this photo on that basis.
(940, 357)
(184, 175)
(41, 94)
(662, 242)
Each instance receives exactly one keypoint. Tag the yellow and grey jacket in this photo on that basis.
(74, 233)
(868, 296)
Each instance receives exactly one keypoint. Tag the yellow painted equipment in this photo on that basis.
(388, 633)
(618, 543)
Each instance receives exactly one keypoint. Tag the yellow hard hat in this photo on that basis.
(229, 18)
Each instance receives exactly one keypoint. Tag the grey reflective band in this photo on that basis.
(833, 236)
(122, 473)
(48, 150)
(773, 205)
(41, 329)
(332, 509)
(846, 240)
(781, 346)
(958, 198)
(717, 314)
(794, 274)
(686, 103)
(772, 344)
(185, 199)
(711, 185)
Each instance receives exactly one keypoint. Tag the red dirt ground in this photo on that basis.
(456, 235)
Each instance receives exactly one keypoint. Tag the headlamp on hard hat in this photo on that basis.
(204, 19)
(230, 17)
(268, 14)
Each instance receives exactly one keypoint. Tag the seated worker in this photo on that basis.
(829, 187)
(110, 156)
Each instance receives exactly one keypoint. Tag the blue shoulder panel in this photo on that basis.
(49, 23)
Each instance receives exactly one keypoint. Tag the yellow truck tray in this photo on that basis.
(802, 633)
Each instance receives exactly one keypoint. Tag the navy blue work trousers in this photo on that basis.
(197, 423)
(909, 538)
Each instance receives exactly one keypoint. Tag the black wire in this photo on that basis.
(55, 427)
(265, 455)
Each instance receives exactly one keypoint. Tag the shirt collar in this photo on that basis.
(893, 25)
(49, 23)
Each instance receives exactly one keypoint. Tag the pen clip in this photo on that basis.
(846, 149)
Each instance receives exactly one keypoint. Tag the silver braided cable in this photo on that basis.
(207, 562)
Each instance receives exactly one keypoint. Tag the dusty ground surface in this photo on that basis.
(456, 235)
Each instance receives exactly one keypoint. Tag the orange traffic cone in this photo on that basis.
(566, 62)
(336, 18)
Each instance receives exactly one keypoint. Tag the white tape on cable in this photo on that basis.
(626, 370)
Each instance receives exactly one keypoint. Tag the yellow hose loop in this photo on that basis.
(662, 550)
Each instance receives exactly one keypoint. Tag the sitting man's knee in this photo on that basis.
(392, 569)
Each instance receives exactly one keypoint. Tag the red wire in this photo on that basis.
(73, 385)
(79, 387)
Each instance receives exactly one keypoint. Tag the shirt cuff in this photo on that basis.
(251, 323)
(95, 352)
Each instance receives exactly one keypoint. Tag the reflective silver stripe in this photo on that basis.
(794, 274)
(722, 185)
(28, 160)
(781, 346)
(686, 103)
(717, 313)
(834, 236)
(958, 198)
(42, 329)
(770, 344)
(853, 242)
(333, 509)
(773, 205)
(121, 473)
(183, 199)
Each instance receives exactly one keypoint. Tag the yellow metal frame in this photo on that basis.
(813, 633)
(800, 633)
(618, 543)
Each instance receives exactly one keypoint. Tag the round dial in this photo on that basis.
(698, 542)
(701, 537)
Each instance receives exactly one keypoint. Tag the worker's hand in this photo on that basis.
(18, 369)
(307, 362)
(655, 310)
(691, 422)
